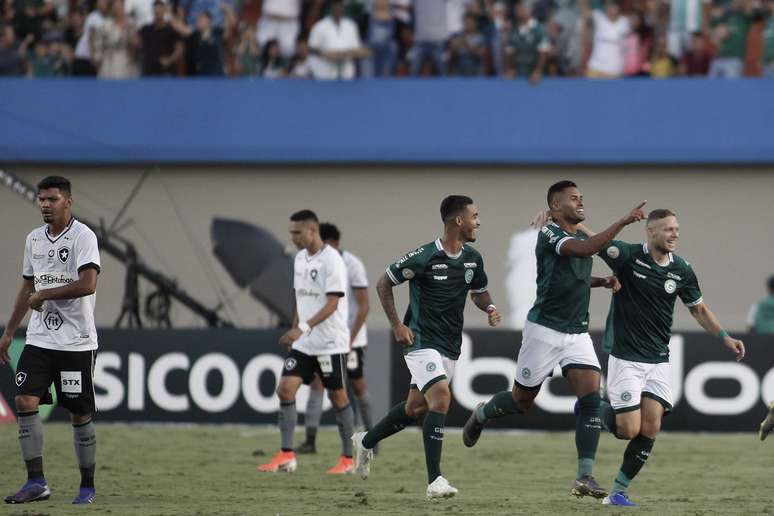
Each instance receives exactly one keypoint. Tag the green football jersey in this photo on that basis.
(438, 286)
(563, 283)
(639, 323)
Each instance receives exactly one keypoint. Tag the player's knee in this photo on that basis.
(26, 403)
(339, 398)
(627, 432)
(79, 419)
(359, 387)
(524, 400)
(415, 410)
(284, 393)
(650, 428)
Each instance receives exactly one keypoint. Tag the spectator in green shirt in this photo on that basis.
(730, 30)
(761, 316)
(527, 48)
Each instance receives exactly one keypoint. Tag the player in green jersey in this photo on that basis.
(556, 330)
(440, 275)
(637, 333)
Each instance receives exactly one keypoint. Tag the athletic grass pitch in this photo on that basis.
(208, 470)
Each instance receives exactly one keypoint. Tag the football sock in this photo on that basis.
(395, 421)
(85, 439)
(364, 408)
(432, 434)
(345, 419)
(287, 423)
(607, 415)
(500, 405)
(635, 456)
(31, 443)
(313, 414)
(587, 427)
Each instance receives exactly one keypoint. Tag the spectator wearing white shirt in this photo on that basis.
(280, 21)
(610, 29)
(85, 49)
(335, 45)
(141, 11)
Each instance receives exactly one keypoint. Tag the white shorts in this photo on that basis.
(284, 31)
(543, 348)
(428, 366)
(628, 382)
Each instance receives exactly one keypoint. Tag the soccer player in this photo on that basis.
(319, 340)
(440, 275)
(556, 329)
(358, 311)
(637, 333)
(61, 264)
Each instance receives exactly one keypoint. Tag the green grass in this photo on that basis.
(153, 470)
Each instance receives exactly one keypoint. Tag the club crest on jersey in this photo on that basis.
(613, 252)
(63, 253)
(21, 376)
(290, 364)
(313, 274)
(670, 286)
(468, 276)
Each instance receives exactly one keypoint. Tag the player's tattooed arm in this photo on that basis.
(402, 333)
(590, 247)
(20, 308)
(610, 282)
(709, 322)
(85, 285)
(483, 300)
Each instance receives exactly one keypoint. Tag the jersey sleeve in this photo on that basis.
(335, 278)
(87, 252)
(357, 274)
(690, 293)
(551, 238)
(615, 254)
(480, 282)
(27, 270)
(408, 267)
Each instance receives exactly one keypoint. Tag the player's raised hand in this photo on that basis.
(735, 345)
(540, 219)
(494, 316)
(5, 343)
(636, 214)
(403, 334)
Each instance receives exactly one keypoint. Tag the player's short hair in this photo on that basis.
(659, 214)
(557, 188)
(453, 205)
(329, 231)
(304, 215)
(55, 182)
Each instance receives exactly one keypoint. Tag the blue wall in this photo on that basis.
(392, 121)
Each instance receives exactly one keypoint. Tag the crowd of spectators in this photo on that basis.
(346, 39)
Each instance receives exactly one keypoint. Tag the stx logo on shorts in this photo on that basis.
(290, 364)
(53, 321)
(20, 377)
(526, 373)
(71, 382)
(626, 396)
(430, 367)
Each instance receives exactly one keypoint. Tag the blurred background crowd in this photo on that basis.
(348, 39)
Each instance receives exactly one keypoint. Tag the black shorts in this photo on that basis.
(355, 363)
(70, 371)
(328, 367)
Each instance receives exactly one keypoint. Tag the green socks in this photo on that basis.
(395, 421)
(587, 427)
(635, 456)
(607, 414)
(500, 405)
(432, 434)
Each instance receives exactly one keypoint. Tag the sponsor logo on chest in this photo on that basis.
(641, 263)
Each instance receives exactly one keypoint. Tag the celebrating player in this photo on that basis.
(637, 335)
(440, 275)
(358, 311)
(61, 264)
(319, 340)
(556, 330)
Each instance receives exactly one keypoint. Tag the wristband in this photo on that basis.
(304, 327)
(490, 308)
(723, 334)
